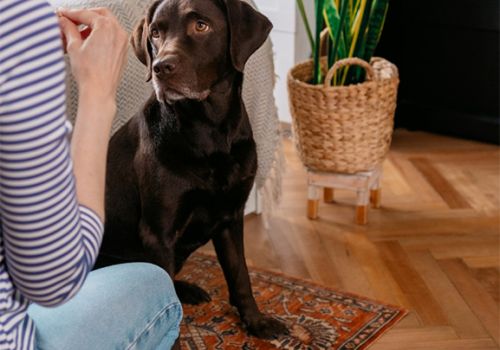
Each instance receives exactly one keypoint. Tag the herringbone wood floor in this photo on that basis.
(433, 247)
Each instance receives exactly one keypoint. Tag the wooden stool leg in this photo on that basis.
(376, 198)
(362, 207)
(328, 195)
(361, 214)
(376, 194)
(312, 203)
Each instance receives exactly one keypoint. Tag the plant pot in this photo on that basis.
(344, 129)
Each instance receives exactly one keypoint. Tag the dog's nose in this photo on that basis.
(166, 65)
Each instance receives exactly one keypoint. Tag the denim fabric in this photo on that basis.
(123, 307)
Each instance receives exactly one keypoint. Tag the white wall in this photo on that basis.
(290, 43)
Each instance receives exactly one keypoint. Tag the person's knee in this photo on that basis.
(128, 306)
(153, 283)
(156, 288)
(150, 291)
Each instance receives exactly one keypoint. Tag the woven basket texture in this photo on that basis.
(344, 129)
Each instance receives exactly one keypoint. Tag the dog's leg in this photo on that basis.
(177, 344)
(230, 253)
(161, 248)
(159, 251)
(189, 293)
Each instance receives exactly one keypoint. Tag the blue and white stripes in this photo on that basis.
(48, 242)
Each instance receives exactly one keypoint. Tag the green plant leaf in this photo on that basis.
(303, 14)
(375, 27)
(358, 51)
(354, 28)
(358, 43)
(354, 11)
(336, 23)
(347, 27)
(317, 76)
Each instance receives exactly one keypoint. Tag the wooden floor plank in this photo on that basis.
(375, 268)
(413, 335)
(458, 344)
(479, 300)
(349, 269)
(413, 286)
(442, 186)
(489, 279)
(482, 261)
(458, 313)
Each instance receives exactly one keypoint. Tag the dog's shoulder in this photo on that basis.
(126, 139)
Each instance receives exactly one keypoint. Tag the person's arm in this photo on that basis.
(51, 238)
(97, 64)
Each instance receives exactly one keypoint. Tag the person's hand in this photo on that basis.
(98, 53)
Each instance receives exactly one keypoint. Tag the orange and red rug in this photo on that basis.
(318, 317)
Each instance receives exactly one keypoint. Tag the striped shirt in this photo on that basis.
(48, 242)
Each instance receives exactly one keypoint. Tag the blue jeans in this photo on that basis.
(129, 306)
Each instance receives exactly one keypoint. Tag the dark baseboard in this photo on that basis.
(448, 122)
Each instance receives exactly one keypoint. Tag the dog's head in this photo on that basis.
(188, 45)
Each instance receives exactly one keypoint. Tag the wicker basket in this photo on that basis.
(345, 129)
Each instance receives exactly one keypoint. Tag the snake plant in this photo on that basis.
(354, 29)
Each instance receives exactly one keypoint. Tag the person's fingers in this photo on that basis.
(85, 32)
(80, 16)
(103, 11)
(71, 34)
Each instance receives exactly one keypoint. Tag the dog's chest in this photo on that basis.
(223, 172)
(190, 161)
(209, 159)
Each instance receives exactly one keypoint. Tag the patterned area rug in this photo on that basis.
(318, 317)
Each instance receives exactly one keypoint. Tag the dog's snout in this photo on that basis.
(166, 65)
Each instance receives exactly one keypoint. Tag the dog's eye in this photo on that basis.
(201, 26)
(155, 33)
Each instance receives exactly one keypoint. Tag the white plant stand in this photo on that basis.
(366, 184)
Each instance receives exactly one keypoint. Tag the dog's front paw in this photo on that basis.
(191, 294)
(266, 327)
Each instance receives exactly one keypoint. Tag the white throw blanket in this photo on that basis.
(258, 95)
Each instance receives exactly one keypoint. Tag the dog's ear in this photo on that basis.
(140, 39)
(248, 29)
(142, 47)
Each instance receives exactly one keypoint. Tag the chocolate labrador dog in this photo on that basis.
(180, 172)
